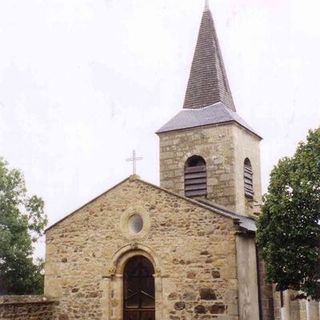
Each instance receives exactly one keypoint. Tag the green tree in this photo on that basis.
(22, 222)
(289, 226)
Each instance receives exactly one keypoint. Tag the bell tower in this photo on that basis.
(207, 152)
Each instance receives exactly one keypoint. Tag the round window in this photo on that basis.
(135, 223)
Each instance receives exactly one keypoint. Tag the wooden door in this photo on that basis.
(138, 290)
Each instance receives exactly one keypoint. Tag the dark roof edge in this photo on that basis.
(201, 203)
(195, 202)
(136, 178)
(224, 209)
(87, 203)
(212, 124)
(244, 227)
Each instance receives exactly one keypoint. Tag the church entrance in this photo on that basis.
(138, 290)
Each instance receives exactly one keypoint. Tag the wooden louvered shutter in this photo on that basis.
(195, 177)
(248, 179)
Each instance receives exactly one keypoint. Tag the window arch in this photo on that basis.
(195, 177)
(248, 179)
(138, 289)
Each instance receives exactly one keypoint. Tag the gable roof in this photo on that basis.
(87, 203)
(208, 82)
(246, 224)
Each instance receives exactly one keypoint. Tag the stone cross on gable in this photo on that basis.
(134, 160)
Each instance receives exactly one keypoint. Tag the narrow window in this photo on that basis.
(248, 179)
(195, 177)
(138, 290)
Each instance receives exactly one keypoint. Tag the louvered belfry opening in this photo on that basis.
(195, 177)
(248, 179)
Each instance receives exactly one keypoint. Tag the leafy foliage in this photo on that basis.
(289, 227)
(22, 222)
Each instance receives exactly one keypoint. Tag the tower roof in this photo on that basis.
(208, 99)
(208, 82)
(215, 114)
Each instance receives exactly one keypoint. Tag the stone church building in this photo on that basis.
(184, 250)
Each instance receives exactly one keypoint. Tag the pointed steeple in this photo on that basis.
(208, 82)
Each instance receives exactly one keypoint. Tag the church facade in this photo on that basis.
(185, 255)
(182, 250)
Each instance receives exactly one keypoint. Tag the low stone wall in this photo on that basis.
(26, 308)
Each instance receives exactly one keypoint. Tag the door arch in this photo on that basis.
(138, 289)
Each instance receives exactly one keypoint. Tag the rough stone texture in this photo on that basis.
(266, 293)
(224, 148)
(204, 269)
(26, 308)
(247, 146)
(193, 250)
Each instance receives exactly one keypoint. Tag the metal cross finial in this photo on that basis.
(134, 160)
(206, 5)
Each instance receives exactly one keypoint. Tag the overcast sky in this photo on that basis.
(83, 82)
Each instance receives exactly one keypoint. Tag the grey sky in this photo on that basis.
(83, 82)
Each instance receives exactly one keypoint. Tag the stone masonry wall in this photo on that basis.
(224, 148)
(193, 250)
(216, 145)
(247, 146)
(266, 292)
(26, 308)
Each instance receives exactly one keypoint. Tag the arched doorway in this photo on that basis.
(138, 289)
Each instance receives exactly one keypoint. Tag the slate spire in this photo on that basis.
(208, 82)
